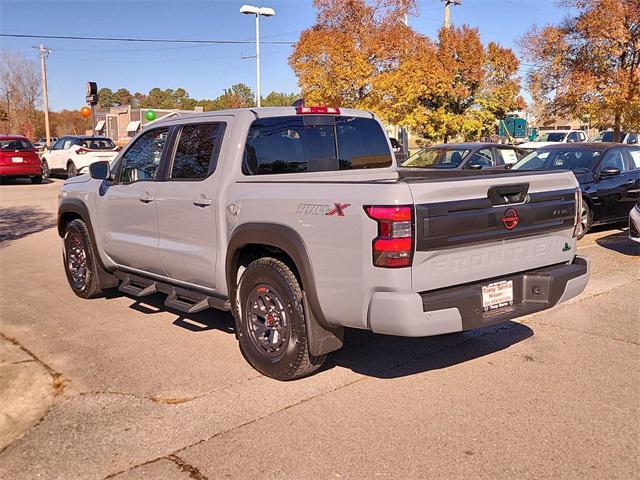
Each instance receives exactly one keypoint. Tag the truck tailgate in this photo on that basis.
(471, 228)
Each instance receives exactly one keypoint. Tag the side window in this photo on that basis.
(583, 137)
(482, 157)
(195, 152)
(573, 137)
(634, 154)
(614, 159)
(140, 161)
(632, 139)
(509, 156)
(59, 144)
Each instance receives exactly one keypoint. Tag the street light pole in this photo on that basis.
(257, 11)
(447, 13)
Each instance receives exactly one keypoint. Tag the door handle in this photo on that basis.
(202, 201)
(146, 198)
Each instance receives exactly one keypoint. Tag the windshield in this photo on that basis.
(15, 144)
(551, 137)
(99, 144)
(578, 161)
(432, 158)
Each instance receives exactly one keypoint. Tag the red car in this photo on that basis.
(18, 158)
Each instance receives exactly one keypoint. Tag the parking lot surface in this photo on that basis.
(121, 388)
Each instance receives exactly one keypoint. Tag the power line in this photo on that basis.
(145, 40)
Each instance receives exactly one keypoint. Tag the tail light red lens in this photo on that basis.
(578, 219)
(82, 151)
(317, 110)
(393, 247)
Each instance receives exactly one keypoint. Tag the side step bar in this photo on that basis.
(178, 298)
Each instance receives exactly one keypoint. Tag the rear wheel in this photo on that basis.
(72, 171)
(585, 220)
(79, 260)
(271, 323)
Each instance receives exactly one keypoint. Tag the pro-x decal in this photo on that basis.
(315, 209)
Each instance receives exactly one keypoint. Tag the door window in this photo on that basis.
(59, 144)
(614, 159)
(482, 157)
(140, 161)
(195, 154)
(509, 155)
(635, 158)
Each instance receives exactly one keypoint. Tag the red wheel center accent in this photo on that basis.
(510, 219)
(270, 320)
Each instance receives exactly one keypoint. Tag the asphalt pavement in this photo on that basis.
(123, 388)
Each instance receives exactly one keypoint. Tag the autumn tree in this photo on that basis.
(588, 66)
(20, 92)
(238, 96)
(279, 99)
(361, 54)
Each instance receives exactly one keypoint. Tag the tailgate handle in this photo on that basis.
(507, 194)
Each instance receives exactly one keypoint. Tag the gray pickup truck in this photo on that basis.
(300, 222)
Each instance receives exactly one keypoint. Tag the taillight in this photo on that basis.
(317, 110)
(82, 151)
(578, 219)
(393, 247)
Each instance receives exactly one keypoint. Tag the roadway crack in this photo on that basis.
(185, 467)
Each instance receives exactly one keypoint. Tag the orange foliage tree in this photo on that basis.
(361, 54)
(588, 66)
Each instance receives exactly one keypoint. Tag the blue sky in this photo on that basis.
(204, 71)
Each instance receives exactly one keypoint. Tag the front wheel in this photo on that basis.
(585, 220)
(79, 260)
(72, 171)
(271, 323)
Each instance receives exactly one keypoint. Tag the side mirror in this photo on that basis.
(571, 140)
(100, 170)
(475, 166)
(610, 172)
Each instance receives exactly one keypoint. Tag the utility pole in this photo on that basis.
(44, 53)
(447, 13)
(404, 134)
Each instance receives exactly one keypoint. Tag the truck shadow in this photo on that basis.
(18, 222)
(365, 352)
(384, 356)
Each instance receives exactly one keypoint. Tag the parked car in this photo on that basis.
(398, 151)
(555, 136)
(607, 136)
(72, 155)
(309, 227)
(459, 156)
(634, 223)
(18, 158)
(609, 176)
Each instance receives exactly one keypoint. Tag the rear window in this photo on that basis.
(98, 144)
(314, 144)
(576, 160)
(15, 144)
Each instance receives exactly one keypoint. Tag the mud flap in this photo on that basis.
(320, 339)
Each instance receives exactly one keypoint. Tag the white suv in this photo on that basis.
(72, 155)
(555, 136)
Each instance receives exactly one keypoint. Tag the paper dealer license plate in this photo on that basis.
(497, 295)
(17, 159)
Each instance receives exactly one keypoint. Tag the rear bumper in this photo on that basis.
(460, 308)
(634, 224)
(20, 170)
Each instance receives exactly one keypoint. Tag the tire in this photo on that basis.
(587, 219)
(72, 171)
(271, 325)
(37, 180)
(79, 258)
(46, 173)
